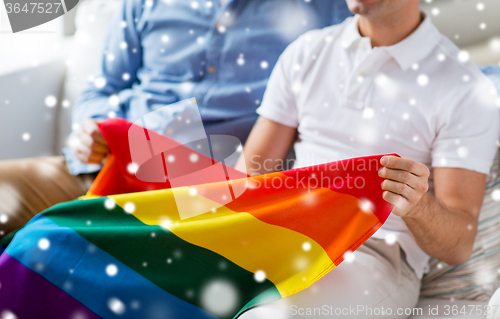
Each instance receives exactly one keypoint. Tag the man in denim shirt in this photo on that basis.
(161, 52)
(158, 52)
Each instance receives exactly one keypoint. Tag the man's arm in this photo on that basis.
(95, 102)
(266, 147)
(443, 225)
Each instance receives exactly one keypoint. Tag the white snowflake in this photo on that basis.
(390, 239)
(43, 244)
(109, 204)
(259, 276)
(495, 44)
(50, 101)
(7, 314)
(348, 256)
(193, 157)
(463, 56)
(381, 80)
(422, 80)
(166, 222)
(116, 306)
(219, 297)
(221, 28)
(306, 246)
(100, 82)
(111, 270)
(462, 151)
(132, 168)
(296, 87)
(129, 207)
(366, 205)
(368, 113)
(496, 195)
(114, 100)
(240, 60)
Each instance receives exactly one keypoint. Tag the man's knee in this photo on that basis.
(29, 186)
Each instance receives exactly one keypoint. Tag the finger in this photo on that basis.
(89, 142)
(98, 138)
(396, 200)
(90, 127)
(405, 164)
(400, 176)
(84, 154)
(89, 158)
(399, 188)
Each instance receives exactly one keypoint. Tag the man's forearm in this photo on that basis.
(442, 232)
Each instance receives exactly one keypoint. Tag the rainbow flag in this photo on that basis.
(126, 251)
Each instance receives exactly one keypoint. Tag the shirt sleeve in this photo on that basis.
(279, 101)
(469, 134)
(121, 59)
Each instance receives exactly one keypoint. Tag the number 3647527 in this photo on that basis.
(33, 7)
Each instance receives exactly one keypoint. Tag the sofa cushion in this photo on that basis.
(477, 278)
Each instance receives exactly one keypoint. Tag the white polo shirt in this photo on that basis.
(420, 98)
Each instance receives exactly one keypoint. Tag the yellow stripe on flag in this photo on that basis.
(291, 260)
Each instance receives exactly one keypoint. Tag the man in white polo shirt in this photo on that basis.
(384, 81)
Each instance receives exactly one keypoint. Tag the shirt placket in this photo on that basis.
(361, 78)
(215, 41)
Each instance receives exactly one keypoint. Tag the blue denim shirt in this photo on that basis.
(159, 52)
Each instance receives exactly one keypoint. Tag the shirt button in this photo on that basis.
(361, 77)
(211, 69)
(221, 28)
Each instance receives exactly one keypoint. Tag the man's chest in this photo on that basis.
(366, 101)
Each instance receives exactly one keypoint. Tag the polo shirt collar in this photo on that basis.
(351, 33)
(410, 50)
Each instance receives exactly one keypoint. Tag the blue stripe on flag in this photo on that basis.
(86, 273)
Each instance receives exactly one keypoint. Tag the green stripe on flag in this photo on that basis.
(186, 271)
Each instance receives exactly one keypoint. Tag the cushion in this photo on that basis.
(477, 278)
